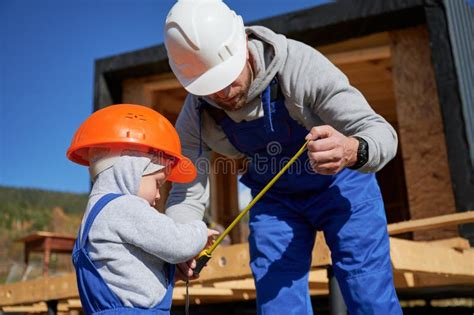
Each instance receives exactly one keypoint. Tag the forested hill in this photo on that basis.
(69, 202)
(35, 205)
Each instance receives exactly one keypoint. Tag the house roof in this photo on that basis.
(319, 25)
(344, 19)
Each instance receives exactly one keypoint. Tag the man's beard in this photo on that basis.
(240, 99)
(238, 103)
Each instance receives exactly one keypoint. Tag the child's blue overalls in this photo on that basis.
(96, 296)
(348, 207)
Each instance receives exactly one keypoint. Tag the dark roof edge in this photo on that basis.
(315, 26)
(335, 13)
(294, 23)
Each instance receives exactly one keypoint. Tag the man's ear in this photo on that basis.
(247, 45)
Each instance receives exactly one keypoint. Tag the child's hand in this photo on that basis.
(211, 237)
(184, 271)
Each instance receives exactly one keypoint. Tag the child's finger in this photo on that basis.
(184, 269)
(211, 232)
(191, 263)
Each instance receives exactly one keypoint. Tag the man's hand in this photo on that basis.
(330, 151)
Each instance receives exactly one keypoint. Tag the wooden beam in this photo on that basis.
(316, 276)
(199, 295)
(405, 280)
(364, 71)
(232, 262)
(360, 55)
(458, 243)
(41, 289)
(421, 131)
(35, 308)
(421, 257)
(227, 263)
(203, 291)
(63, 307)
(431, 223)
(244, 284)
(373, 40)
(163, 84)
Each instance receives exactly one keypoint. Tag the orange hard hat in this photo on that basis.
(134, 127)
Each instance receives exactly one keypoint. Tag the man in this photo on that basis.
(250, 89)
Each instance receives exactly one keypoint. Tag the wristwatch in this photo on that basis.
(362, 154)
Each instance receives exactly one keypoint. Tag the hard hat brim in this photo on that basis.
(220, 76)
(183, 172)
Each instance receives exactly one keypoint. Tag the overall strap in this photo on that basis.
(271, 94)
(275, 90)
(103, 201)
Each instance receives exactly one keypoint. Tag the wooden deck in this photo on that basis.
(228, 277)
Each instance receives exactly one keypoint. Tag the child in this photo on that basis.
(126, 250)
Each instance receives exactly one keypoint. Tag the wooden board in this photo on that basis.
(232, 262)
(458, 243)
(431, 223)
(421, 257)
(41, 289)
(405, 280)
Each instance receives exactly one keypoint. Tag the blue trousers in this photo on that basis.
(282, 235)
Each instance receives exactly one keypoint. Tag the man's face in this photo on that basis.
(234, 96)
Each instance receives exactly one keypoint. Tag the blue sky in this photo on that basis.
(47, 51)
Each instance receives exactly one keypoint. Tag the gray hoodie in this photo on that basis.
(129, 240)
(315, 92)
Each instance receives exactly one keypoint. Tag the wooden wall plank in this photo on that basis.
(133, 93)
(421, 133)
(360, 55)
(373, 40)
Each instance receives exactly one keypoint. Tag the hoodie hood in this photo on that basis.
(268, 51)
(123, 178)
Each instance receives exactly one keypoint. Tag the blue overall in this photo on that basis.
(347, 206)
(96, 296)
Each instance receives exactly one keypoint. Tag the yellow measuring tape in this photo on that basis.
(206, 254)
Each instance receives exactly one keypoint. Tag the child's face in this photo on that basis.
(150, 185)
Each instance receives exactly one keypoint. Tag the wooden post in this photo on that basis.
(421, 131)
(47, 256)
(224, 194)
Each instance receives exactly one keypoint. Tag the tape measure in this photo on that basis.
(206, 254)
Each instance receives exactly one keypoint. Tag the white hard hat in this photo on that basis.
(206, 45)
